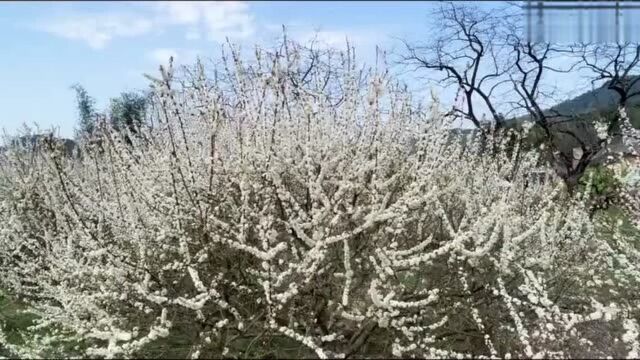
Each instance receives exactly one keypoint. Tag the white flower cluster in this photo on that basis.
(631, 192)
(281, 203)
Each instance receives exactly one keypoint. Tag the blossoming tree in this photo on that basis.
(297, 206)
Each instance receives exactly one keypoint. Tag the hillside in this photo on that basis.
(585, 108)
(597, 100)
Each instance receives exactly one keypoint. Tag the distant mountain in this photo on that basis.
(596, 100)
(586, 108)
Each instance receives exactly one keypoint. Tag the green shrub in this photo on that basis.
(604, 186)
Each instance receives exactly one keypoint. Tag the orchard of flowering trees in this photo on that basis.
(296, 205)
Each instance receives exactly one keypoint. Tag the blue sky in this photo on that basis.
(107, 46)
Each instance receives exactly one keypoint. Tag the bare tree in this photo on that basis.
(465, 54)
(482, 53)
(532, 62)
(616, 65)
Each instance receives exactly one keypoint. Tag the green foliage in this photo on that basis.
(605, 186)
(604, 179)
(607, 220)
(14, 318)
(86, 110)
(16, 323)
(128, 110)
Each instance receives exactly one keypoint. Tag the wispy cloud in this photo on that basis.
(215, 19)
(98, 29)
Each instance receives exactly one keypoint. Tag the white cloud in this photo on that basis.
(98, 29)
(216, 19)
